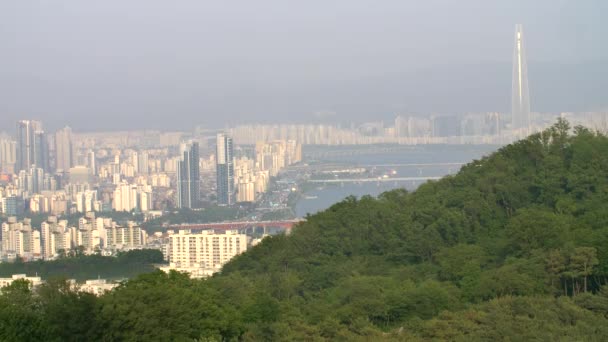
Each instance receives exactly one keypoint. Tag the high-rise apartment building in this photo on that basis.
(92, 162)
(8, 154)
(275, 155)
(41, 150)
(89, 232)
(140, 161)
(12, 205)
(25, 143)
(120, 236)
(520, 96)
(64, 157)
(205, 250)
(127, 197)
(33, 180)
(225, 170)
(55, 237)
(19, 238)
(246, 191)
(86, 201)
(32, 146)
(189, 177)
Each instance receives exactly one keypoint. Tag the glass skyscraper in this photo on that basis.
(32, 146)
(64, 157)
(189, 177)
(225, 170)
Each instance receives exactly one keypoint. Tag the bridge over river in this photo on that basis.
(380, 179)
(241, 226)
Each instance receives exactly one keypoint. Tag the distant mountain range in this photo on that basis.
(105, 104)
(467, 88)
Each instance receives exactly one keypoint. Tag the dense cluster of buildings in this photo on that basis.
(199, 253)
(51, 174)
(238, 180)
(55, 237)
(66, 173)
(148, 172)
(472, 128)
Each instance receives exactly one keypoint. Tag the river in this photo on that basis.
(407, 161)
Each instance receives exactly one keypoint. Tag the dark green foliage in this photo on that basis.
(163, 307)
(514, 247)
(69, 315)
(205, 215)
(282, 214)
(515, 319)
(82, 267)
(20, 318)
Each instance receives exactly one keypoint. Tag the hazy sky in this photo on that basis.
(116, 64)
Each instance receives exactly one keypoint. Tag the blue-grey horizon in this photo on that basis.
(152, 64)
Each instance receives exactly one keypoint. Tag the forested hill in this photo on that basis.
(529, 220)
(514, 246)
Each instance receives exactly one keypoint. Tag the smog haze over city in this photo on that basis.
(303, 171)
(135, 64)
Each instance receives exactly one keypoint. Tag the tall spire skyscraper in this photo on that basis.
(520, 96)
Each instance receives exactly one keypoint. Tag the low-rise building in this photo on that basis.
(35, 281)
(97, 286)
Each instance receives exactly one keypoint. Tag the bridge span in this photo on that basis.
(357, 180)
(241, 226)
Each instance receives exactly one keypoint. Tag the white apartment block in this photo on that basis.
(245, 192)
(127, 197)
(129, 236)
(55, 236)
(20, 239)
(205, 250)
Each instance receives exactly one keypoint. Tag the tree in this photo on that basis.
(69, 313)
(20, 318)
(556, 264)
(458, 261)
(532, 229)
(582, 261)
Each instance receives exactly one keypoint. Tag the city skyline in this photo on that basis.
(244, 71)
